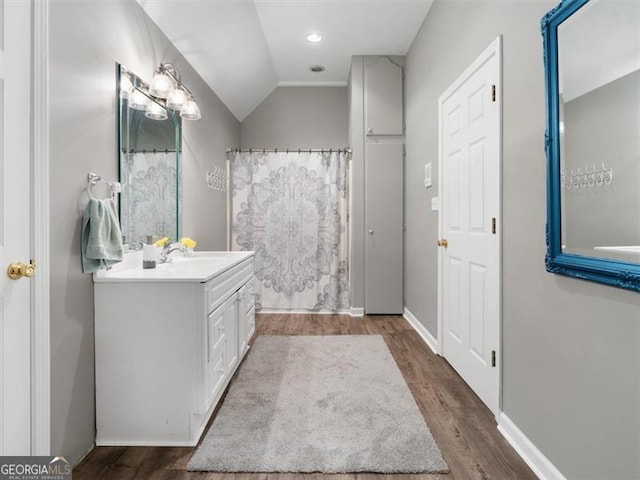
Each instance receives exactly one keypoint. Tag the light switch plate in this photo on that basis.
(435, 204)
(427, 175)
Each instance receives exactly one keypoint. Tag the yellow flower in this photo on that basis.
(162, 242)
(188, 242)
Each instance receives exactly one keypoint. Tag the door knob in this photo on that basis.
(18, 270)
(371, 231)
(443, 243)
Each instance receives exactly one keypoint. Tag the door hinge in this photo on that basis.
(493, 93)
(493, 358)
(493, 225)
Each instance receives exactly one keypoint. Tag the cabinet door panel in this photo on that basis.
(251, 323)
(215, 331)
(216, 352)
(383, 228)
(383, 98)
(231, 331)
(242, 324)
(216, 375)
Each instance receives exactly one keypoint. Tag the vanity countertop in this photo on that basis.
(200, 267)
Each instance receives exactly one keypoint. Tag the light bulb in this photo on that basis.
(138, 100)
(155, 111)
(161, 85)
(125, 86)
(176, 99)
(190, 111)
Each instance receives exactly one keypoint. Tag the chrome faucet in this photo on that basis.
(135, 245)
(168, 249)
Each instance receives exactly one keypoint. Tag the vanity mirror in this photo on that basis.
(150, 137)
(592, 62)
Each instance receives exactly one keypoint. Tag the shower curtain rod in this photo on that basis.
(289, 150)
(154, 150)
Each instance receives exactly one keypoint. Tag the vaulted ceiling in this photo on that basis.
(245, 48)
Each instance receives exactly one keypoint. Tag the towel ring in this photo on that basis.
(93, 179)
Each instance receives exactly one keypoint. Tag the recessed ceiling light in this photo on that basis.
(316, 68)
(314, 37)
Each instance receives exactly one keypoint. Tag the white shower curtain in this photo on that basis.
(291, 209)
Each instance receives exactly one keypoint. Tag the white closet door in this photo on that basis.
(383, 98)
(383, 228)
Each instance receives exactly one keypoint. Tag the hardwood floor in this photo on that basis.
(461, 425)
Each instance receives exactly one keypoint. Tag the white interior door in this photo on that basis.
(15, 237)
(469, 266)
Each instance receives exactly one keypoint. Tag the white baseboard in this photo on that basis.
(541, 466)
(422, 331)
(356, 312)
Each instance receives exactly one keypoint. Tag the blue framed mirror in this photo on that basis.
(592, 76)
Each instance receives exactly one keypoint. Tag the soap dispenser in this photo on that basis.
(150, 254)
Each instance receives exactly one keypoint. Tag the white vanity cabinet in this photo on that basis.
(167, 344)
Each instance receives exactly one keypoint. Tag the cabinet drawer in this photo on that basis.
(229, 281)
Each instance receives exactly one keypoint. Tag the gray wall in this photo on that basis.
(298, 117)
(603, 126)
(83, 139)
(571, 349)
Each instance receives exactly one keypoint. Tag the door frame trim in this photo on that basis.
(494, 48)
(40, 313)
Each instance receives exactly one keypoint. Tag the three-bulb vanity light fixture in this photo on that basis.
(166, 90)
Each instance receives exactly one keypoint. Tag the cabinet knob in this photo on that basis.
(369, 130)
(371, 232)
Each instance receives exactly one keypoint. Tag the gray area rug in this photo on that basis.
(331, 404)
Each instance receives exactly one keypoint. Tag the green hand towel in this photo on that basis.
(101, 236)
